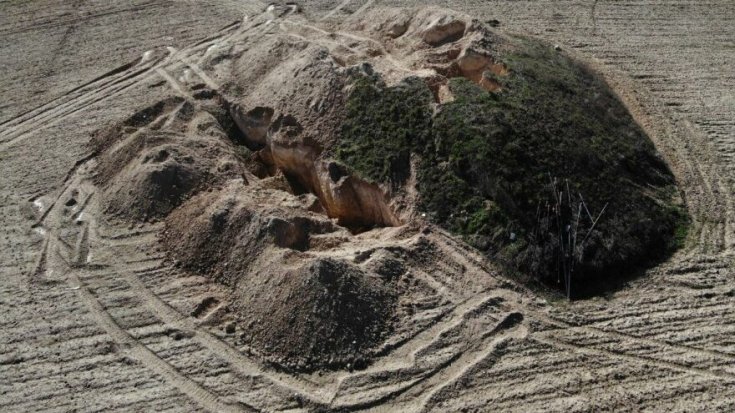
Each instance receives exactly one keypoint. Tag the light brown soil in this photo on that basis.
(96, 318)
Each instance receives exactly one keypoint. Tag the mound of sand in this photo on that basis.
(315, 138)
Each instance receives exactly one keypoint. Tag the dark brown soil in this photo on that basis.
(326, 313)
(146, 169)
(300, 311)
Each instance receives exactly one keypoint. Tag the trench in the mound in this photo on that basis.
(357, 204)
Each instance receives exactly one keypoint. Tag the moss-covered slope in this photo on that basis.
(550, 176)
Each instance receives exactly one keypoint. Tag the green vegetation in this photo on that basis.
(524, 173)
(383, 126)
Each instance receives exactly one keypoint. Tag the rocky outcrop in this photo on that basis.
(480, 68)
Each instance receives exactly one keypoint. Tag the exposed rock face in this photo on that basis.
(353, 201)
(479, 68)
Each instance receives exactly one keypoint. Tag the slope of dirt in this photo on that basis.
(521, 149)
(95, 318)
(301, 311)
(161, 156)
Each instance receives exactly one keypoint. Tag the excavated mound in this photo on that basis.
(145, 169)
(225, 232)
(484, 132)
(317, 137)
(296, 309)
(292, 113)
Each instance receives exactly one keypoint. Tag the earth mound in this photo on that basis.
(298, 310)
(326, 312)
(316, 138)
(162, 155)
(516, 146)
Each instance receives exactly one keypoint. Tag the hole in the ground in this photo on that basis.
(336, 172)
(297, 188)
(205, 94)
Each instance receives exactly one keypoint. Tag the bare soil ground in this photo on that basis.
(94, 317)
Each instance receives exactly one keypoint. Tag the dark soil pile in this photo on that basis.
(294, 309)
(146, 170)
(326, 313)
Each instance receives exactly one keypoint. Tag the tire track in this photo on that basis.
(55, 22)
(53, 112)
(416, 395)
(74, 271)
(632, 358)
(175, 85)
(58, 111)
(335, 10)
(145, 356)
(363, 8)
(408, 357)
(199, 72)
(726, 358)
(127, 342)
(172, 317)
(465, 364)
(102, 79)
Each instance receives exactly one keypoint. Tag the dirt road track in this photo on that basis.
(118, 336)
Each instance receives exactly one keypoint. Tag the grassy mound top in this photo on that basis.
(550, 176)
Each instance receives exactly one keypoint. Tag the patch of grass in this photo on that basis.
(489, 160)
(383, 126)
(681, 228)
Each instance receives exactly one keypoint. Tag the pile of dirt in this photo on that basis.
(224, 232)
(162, 155)
(298, 310)
(316, 137)
(289, 104)
(323, 313)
